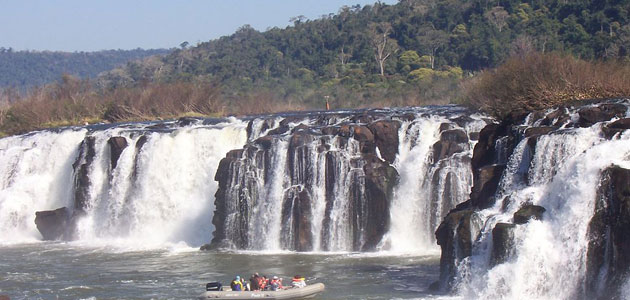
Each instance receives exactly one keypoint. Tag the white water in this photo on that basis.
(35, 173)
(419, 203)
(550, 255)
(164, 193)
(169, 201)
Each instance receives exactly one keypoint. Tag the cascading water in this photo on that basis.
(36, 173)
(429, 185)
(337, 181)
(325, 182)
(158, 191)
(562, 172)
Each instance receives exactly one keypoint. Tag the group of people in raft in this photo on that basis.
(262, 283)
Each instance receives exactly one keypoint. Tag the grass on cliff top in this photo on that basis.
(539, 81)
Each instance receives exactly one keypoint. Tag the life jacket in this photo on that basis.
(262, 283)
(236, 285)
(275, 284)
(298, 282)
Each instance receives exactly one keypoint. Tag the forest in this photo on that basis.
(416, 52)
(22, 70)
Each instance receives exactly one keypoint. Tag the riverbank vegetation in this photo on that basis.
(538, 81)
(415, 52)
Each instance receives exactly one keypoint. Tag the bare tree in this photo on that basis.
(433, 39)
(497, 16)
(384, 46)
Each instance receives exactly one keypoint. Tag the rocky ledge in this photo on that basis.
(609, 247)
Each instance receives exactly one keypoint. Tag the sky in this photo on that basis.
(92, 25)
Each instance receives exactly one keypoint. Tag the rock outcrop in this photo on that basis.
(244, 172)
(608, 256)
(609, 229)
(53, 224)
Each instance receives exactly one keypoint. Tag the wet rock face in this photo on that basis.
(502, 242)
(370, 181)
(81, 167)
(455, 237)
(616, 127)
(386, 138)
(380, 179)
(451, 141)
(53, 224)
(116, 145)
(528, 212)
(608, 256)
(609, 231)
(599, 113)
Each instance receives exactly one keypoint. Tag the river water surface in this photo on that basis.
(71, 271)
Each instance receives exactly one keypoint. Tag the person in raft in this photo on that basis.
(275, 283)
(298, 281)
(237, 284)
(255, 282)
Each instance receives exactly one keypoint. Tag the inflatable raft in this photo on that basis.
(308, 291)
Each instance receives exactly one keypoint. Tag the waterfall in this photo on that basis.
(158, 191)
(562, 172)
(364, 180)
(36, 173)
(346, 182)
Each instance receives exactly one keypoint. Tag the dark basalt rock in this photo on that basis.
(616, 127)
(266, 124)
(186, 121)
(380, 179)
(502, 242)
(538, 131)
(486, 181)
(451, 142)
(279, 130)
(296, 213)
(455, 236)
(330, 130)
(265, 142)
(53, 224)
(528, 212)
(81, 168)
(608, 255)
(116, 146)
(386, 138)
(600, 113)
(555, 118)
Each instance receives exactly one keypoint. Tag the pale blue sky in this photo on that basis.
(89, 25)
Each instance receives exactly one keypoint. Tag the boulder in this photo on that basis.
(600, 113)
(502, 242)
(528, 212)
(186, 121)
(451, 142)
(455, 236)
(538, 131)
(279, 130)
(386, 138)
(53, 224)
(616, 127)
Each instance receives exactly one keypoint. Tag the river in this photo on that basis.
(55, 270)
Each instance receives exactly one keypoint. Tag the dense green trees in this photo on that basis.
(350, 49)
(412, 53)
